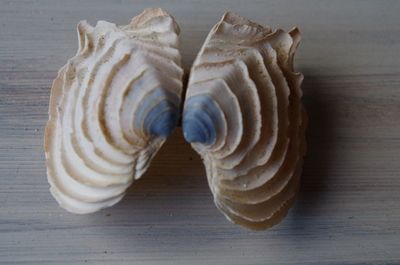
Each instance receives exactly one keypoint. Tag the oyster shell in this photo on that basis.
(243, 114)
(111, 107)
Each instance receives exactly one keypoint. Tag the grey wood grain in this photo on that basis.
(348, 208)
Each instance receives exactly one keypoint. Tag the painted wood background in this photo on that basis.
(348, 211)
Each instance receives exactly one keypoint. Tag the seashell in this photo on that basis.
(111, 108)
(243, 114)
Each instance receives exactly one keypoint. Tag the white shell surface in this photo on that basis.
(243, 114)
(112, 106)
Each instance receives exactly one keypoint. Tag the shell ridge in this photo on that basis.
(254, 185)
(97, 174)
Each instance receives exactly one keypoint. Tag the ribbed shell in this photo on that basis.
(243, 114)
(112, 106)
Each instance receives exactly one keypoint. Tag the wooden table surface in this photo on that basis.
(348, 210)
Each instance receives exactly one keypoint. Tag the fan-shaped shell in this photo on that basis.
(111, 108)
(243, 114)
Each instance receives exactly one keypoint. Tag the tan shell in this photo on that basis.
(112, 106)
(243, 114)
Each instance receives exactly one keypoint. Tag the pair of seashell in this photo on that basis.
(116, 101)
